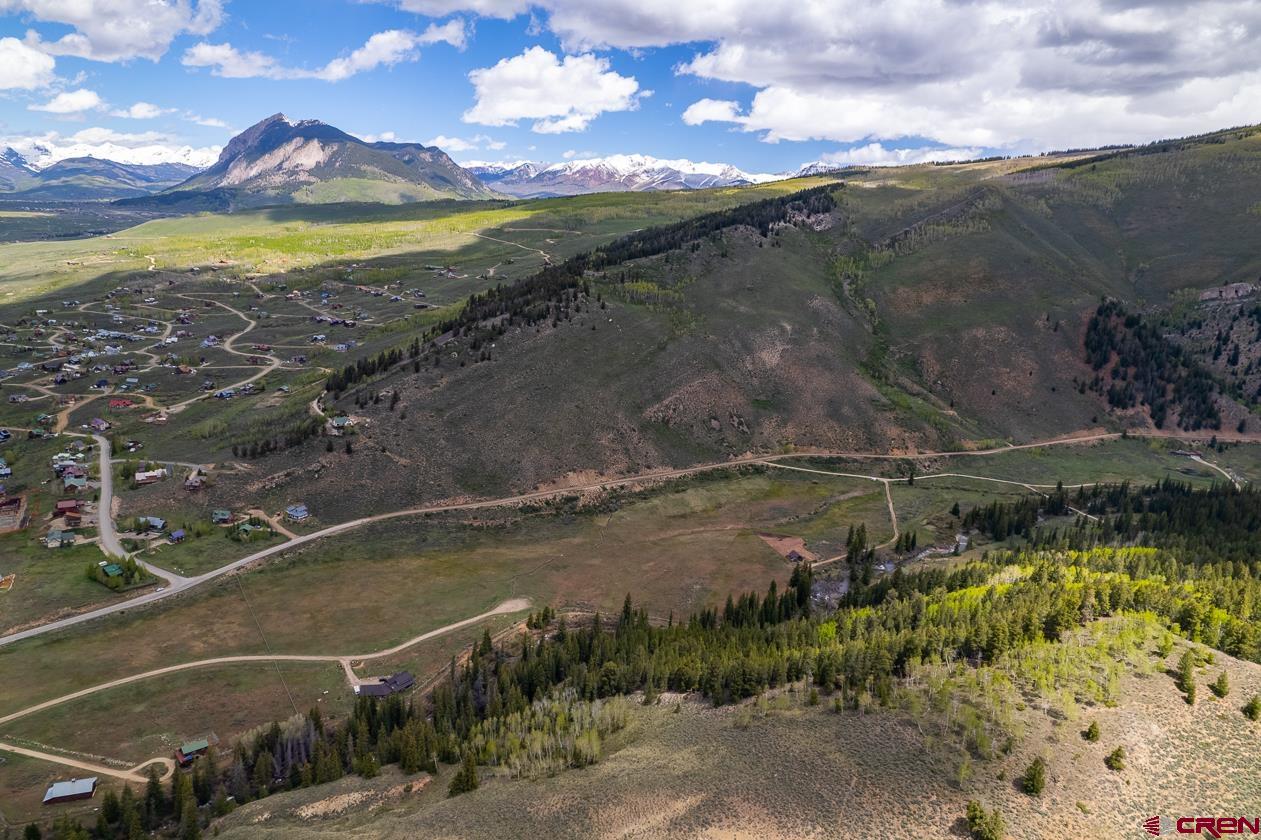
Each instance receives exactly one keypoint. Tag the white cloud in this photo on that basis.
(711, 110)
(117, 30)
(461, 144)
(875, 154)
(208, 122)
(124, 147)
(141, 111)
(70, 102)
(1018, 75)
(22, 67)
(383, 49)
(227, 61)
(502, 9)
(558, 94)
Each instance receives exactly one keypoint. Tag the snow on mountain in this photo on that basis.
(43, 154)
(814, 167)
(615, 173)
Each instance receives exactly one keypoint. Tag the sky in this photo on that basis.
(765, 85)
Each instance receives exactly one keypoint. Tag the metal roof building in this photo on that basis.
(71, 790)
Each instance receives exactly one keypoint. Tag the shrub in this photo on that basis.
(1116, 759)
(1220, 686)
(1092, 732)
(985, 826)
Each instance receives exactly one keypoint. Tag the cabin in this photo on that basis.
(150, 476)
(70, 791)
(297, 513)
(65, 506)
(177, 536)
(188, 752)
(152, 523)
(59, 539)
(111, 570)
(99, 425)
(193, 481)
(385, 686)
(221, 517)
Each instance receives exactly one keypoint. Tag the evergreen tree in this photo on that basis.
(1034, 780)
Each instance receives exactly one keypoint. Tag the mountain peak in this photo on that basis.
(283, 159)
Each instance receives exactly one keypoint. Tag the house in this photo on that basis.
(59, 539)
(70, 791)
(297, 513)
(111, 570)
(65, 506)
(153, 523)
(386, 686)
(120, 402)
(185, 755)
(5, 469)
(99, 425)
(150, 476)
(221, 517)
(73, 483)
(193, 481)
(177, 536)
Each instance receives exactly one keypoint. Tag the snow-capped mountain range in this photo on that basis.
(616, 173)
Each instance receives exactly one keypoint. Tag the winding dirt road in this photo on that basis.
(181, 584)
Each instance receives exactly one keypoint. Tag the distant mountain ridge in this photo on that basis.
(278, 160)
(615, 173)
(85, 178)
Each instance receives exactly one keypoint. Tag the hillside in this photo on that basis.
(309, 161)
(784, 769)
(935, 305)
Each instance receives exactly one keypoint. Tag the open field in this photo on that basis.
(285, 238)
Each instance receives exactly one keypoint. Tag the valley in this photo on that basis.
(261, 458)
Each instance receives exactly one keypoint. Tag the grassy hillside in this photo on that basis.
(784, 769)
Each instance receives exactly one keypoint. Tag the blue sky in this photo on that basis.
(762, 84)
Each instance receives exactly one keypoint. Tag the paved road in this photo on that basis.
(180, 584)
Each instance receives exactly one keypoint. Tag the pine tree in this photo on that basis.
(465, 779)
(1034, 780)
(1220, 686)
(1092, 732)
(1252, 710)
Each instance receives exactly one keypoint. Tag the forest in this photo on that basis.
(546, 699)
(1136, 365)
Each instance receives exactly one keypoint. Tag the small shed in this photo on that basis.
(177, 536)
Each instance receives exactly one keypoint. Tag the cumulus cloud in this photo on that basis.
(461, 144)
(70, 102)
(125, 147)
(1019, 75)
(208, 122)
(383, 49)
(876, 154)
(22, 67)
(558, 94)
(117, 30)
(141, 111)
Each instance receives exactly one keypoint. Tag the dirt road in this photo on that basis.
(179, 584)
(510, 606)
